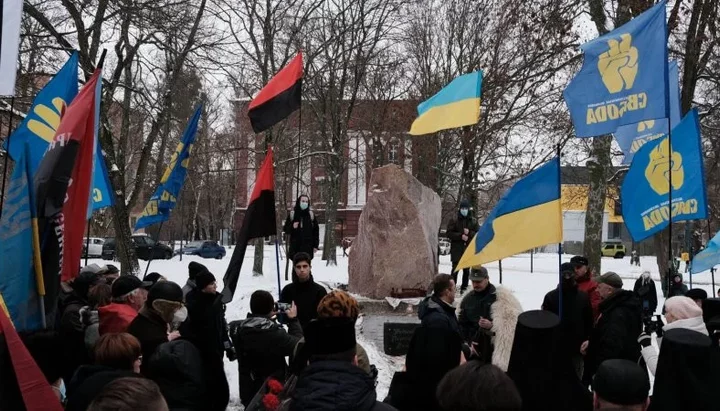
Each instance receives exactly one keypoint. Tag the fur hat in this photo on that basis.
(682, 308)
(194, 269)
(338, 304)
(165, 290)
(203, 279)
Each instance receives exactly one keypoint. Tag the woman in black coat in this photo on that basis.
(303, 229)
(645, 290)
(207, 329)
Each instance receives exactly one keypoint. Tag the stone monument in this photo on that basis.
(397, 243)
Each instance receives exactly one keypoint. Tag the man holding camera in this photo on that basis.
(262, 344)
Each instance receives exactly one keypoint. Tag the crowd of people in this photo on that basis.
(132, 344)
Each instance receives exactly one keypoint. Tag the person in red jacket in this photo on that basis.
(585, 283)
(129, 294)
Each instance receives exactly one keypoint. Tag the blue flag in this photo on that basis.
(645, 191)
(17, 279)
(101, 194)
(631, 137)
(39, 127)
(623, 78)
(707, 258)
(165, 197)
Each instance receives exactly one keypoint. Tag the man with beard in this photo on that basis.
(617, 328)
(576, 321)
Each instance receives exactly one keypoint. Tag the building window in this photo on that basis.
(614, 230)
(394, 151)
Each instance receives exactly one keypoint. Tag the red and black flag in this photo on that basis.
(279, 98)
(259, 222)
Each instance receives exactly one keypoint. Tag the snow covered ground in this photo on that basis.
(530, 288)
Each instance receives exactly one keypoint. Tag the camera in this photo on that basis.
(652, 326)
(282, 307)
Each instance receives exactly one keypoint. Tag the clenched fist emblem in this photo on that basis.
(645, 125)
(619, 65)
(49, 119)
(662, 160)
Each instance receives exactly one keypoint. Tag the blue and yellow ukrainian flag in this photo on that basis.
(456, 105)
(529, 215)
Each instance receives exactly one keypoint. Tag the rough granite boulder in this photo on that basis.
(397, 242)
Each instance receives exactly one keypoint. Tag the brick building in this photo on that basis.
(377, 136)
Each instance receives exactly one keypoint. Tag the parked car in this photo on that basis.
(96, 247)
(205, 249)
(615, 250)
(144, 248)
(444, 246)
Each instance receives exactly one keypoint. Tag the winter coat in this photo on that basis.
(151, 330)
(616, 332)
(576, 322)
(475, 304)
(262, 345)
(87, 383)
(177, 368)
(455, 229)
(504, 313)
(650, 354)
(335, 386)
(645, 290)
(72, 333)
(189, 286)
(435, 313)
(306, 237)
(90, 320)
(115, 318)
(306, 295)
(676, 290)
(407, 394)
(587, 285)
(206, 328)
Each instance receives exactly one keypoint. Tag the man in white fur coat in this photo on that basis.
(488, 316)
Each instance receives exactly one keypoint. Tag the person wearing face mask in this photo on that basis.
(461, 231)
(164, 306)
(302, 228)
(207, 329)
(645, 290)
(576, 321)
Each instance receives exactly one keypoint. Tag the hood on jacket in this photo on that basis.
(430, 304)
(256, 323)
(334, 385)
(115, 317)
(297, 208)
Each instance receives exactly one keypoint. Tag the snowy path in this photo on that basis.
(530, 288)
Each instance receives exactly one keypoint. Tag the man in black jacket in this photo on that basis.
(461, 230)
(437, 311)
(263, 344)
(302, 228)
(207, 329)
(303, 291)
(576, 321)
(617, 329)
(332, 380)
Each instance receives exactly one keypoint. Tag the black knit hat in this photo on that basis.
(697, 294)
(126, 284)
(203, 279)
(194, 269)
(579, 261)
(621, 382)
(330, 336)
(165, 290)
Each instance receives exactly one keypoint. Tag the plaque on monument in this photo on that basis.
(397, 336)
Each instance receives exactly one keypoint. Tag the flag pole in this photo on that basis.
(560, 297)
(277, 262)
(670, 173)
(7, 152)
(500, 268)
(87, 242)
(152, 249)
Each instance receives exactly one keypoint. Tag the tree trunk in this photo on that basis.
(259, 257)
(660, 241)
(124, 248)
(597, 194)
(331, 203)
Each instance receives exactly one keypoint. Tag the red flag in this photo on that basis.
(36, 391)
(279, 98)
(259, 221)
(64, 179)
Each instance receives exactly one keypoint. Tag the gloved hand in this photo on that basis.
(231, 354)
(659, 331)
(644, 340)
